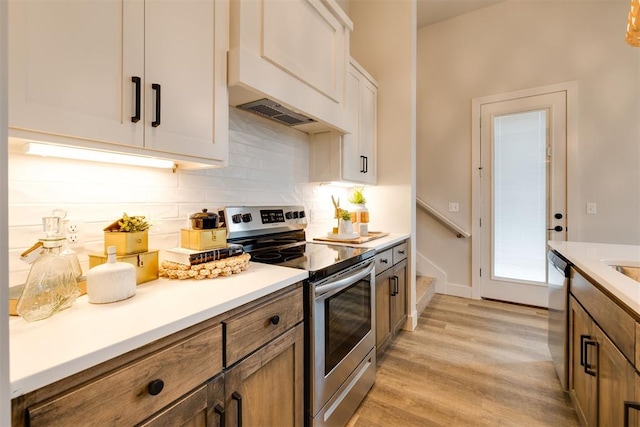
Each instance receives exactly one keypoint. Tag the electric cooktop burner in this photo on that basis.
(275, 235)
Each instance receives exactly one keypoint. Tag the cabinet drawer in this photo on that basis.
(399, 253)
(250, 330)
(124, 397)
(384, 260)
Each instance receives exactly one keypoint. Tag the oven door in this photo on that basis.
(343, 331)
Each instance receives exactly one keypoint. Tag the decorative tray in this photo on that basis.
(359, 239)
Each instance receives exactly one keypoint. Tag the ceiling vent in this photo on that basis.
(277, 112)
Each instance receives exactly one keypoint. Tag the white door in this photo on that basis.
(522, 194)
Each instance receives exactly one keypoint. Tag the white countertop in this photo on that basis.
(594, 260)
(88, 334)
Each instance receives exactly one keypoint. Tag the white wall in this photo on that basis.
(268, 164)
(383, 42)
(519, 45)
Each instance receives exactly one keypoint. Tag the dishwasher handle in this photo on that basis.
(558, 263)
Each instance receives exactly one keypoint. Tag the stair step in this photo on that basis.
(425, 290)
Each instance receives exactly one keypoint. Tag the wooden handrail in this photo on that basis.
(459, 231)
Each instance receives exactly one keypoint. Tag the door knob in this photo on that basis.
(558, 216)
(556, 228)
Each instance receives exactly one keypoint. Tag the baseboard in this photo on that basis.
(458, 290)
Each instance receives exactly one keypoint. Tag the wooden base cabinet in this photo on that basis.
(391, 294)
(242, 367)
(603, 382)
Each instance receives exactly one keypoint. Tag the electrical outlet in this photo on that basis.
(454, 207)
(75, 233)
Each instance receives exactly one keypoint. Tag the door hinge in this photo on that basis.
(549, 151)
(480, 272)
(480, 171)
(480, 221)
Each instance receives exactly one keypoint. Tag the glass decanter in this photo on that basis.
(51, 285)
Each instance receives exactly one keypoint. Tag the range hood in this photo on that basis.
(277, 112)
(288, 61)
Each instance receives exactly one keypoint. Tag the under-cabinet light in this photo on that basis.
(95, 155)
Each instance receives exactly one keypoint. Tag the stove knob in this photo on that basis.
(289, 215)
(236, 218)
(295, 214)
(246, 217)
(301, 214)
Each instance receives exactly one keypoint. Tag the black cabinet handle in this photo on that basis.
(238, 398)
(401, 252)
(384, 261)
(627, 406)
(361, 164)
(155, 387)
(137, 81)
(582, 338)
(366, 164)
(588, 368)
(275, 320)
(396, 288)
(220, 411)
(156, 87)
(556, 228)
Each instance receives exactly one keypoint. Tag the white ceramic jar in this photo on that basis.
(112, 281)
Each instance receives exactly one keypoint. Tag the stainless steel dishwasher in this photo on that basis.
(558, 284)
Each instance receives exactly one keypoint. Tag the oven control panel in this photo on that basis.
(253, 220)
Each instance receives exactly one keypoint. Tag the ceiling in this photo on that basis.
(432, 11)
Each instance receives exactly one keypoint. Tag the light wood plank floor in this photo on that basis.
(468, 363)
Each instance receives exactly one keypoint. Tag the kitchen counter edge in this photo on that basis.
(594, 260)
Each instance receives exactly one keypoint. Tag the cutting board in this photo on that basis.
(362, 239)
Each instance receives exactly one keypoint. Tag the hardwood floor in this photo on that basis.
(468, 363)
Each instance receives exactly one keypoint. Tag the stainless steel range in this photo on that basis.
(340, 360)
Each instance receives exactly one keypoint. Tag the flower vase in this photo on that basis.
(359, 216)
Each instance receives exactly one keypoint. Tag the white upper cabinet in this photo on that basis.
(145, 77)
(349, 157)
(293, 52)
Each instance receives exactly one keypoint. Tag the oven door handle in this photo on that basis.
(322, 290)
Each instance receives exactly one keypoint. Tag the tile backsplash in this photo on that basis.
(268, 164)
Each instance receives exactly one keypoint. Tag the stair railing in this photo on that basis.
(459, 231)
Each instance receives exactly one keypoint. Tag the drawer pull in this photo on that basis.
(220, 411)
(238, 398)
(401, 252)
(275, 320)
(384, 261)
(155, 387)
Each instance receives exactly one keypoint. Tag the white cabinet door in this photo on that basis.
(359, 147)
(181, 61)
(70, 68)
(78, 68)
(349, 157)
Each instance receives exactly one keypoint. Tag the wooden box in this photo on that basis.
(146, 264)
(203, 239)
(127, 243)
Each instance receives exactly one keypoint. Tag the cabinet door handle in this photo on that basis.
(155, 387)
(582, 338)
(588, 368)
(137, 82)
(627, 406)
(220, 411)
(275, 320)
(396, 288)
(366, 164)
(361, 164)
(156, 122)
(238, 398)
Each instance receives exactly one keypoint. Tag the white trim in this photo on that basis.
(573, 219)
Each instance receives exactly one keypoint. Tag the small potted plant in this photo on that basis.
(129, 234)
(345, 226)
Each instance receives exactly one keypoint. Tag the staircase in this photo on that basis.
(425, 290)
